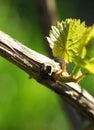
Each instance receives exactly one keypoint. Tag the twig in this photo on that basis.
(41, 68)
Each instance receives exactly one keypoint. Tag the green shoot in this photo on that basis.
(73, 41)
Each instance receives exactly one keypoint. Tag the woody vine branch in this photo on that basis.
(41, 68)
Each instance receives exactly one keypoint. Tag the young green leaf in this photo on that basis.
(64, 38)
(87, 61)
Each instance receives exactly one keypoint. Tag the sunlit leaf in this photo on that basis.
(87, 61)
(64, 38)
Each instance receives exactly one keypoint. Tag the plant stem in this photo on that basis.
(75, 71)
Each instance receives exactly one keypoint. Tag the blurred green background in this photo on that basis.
(24, 103)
